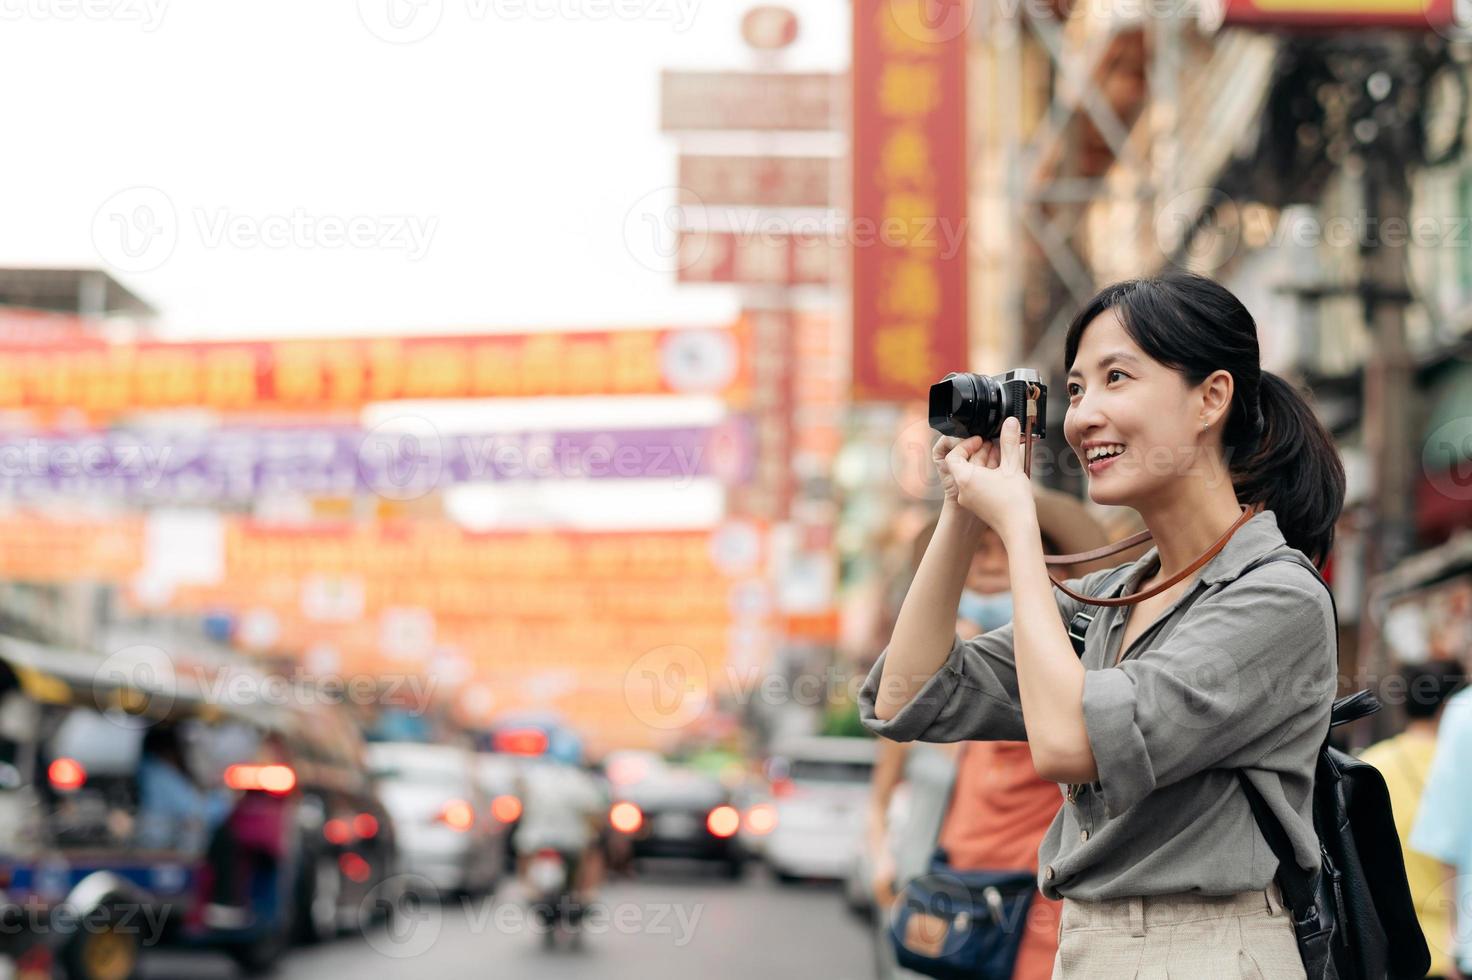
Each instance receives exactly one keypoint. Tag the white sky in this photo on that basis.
(520, 137)
(522, 132)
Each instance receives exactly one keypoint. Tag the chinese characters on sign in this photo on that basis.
(908, 228)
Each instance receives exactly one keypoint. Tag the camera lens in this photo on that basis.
(965, 405)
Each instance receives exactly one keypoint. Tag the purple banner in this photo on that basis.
(402, 459)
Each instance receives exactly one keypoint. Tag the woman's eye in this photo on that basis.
(1074, 390)
(1113, 372)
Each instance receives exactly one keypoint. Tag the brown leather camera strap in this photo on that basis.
(1132, 541)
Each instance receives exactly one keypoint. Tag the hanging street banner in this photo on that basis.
(727, 100)
(908, 223)
(400, 460)
(345, 374)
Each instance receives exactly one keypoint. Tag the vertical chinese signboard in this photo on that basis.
(908, 229)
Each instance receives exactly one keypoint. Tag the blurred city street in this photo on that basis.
(484, 484)
(696, 927)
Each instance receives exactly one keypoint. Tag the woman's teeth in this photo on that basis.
(1100, 452)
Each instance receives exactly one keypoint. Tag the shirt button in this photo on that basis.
(1083, 835)
(1048, 873)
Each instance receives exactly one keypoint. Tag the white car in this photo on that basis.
(821, 792)
(442, 815)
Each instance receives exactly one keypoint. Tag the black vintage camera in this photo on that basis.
(965, 405)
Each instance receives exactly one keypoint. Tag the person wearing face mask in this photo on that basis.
(1218, 670)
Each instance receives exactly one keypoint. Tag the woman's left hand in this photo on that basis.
(990, 481)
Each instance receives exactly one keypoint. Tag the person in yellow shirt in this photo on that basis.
(1405, 762)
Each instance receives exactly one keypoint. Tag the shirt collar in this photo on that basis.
(1258, 537)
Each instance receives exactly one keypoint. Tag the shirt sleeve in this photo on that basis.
(1443, 828)
(1248, 668)
(974, 693)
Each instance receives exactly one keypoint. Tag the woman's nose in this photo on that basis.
(1083, 416)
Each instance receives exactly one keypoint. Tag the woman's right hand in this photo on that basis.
(938, 454)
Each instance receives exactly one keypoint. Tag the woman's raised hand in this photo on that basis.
(987, 478)
(940, 452)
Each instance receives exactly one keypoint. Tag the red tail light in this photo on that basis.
(66, 775)
(506, 808)
(354, 868)
(521, 741)
(365, 825)
(625, 817)
(782, 787)
(723, 821)
(277, 780)
(761, 819)
(457, 814)
(337, 831)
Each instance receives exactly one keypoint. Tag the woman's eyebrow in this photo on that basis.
(1108, 359)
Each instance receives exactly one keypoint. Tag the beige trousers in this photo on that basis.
(1179, 937)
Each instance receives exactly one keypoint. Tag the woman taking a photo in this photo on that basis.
(1224, 663)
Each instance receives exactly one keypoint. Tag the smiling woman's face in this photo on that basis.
(1121, 398)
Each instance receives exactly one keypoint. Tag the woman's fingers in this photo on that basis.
(965, 450)
(1011, 448)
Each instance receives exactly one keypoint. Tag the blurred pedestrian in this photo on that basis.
(1157, 854)
(1442, 831)
(1405, 762)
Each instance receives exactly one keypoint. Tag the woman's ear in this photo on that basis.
(1216, 396)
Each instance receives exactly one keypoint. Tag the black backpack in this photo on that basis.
(1355, 919)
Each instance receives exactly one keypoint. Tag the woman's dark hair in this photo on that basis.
(1278, 452)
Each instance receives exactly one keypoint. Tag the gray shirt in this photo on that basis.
(1239, 673)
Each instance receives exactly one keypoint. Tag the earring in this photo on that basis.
(1205, 424)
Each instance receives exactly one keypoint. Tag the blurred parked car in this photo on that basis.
(442, 815)
(675, 812)
(820, 790)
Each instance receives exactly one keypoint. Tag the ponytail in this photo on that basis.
(1290, 466)
(1278, 452)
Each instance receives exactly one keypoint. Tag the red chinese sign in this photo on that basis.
(908, 228)
(755, 181)
(772, 259)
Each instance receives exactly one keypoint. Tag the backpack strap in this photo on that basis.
(1078, 626)
(1300, 889)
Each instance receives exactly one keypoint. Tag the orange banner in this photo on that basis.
(908, 227)
(325, 375)
(439, 549)
(39, 550)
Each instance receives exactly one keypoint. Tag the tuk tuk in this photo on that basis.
(109, 842)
